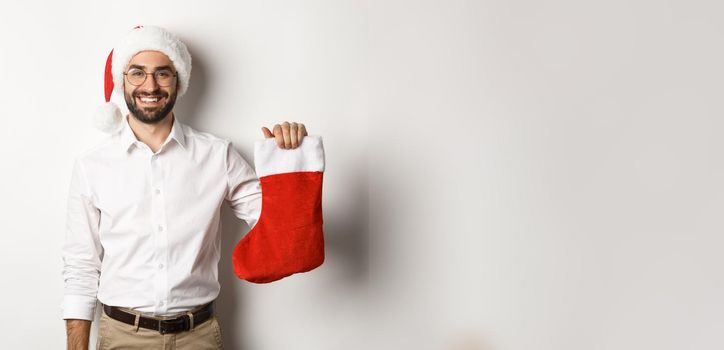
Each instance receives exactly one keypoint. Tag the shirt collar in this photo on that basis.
(128, 138)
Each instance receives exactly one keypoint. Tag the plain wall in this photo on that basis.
(501, 175)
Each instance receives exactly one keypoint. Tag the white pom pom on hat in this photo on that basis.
(107, 117)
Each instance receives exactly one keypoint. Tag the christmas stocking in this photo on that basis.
(288, 237)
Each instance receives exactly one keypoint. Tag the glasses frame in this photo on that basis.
(175, 75)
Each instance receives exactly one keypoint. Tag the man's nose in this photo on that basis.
(150, 83)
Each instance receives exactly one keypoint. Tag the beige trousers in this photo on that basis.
(117, 335)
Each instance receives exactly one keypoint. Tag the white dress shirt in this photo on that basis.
(143, 228)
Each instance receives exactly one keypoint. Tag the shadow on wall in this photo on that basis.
(346, 234)
(187, 106)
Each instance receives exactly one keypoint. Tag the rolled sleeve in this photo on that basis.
(82, 250)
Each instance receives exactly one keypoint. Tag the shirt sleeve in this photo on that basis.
(82, 250)
(244, 190)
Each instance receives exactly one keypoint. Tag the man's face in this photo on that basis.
(149, 102)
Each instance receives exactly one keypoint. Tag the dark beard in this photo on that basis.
(154, 116)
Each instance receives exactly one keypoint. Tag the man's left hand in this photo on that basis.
(288, 135)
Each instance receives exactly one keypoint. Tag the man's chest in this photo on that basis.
(140, 193)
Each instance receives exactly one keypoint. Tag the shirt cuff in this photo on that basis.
(79, 307)
(269, 159)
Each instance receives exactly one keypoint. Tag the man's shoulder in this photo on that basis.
(99, 149)
(110, 145)
(203, 138)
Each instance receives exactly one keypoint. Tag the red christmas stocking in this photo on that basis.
(288, 237)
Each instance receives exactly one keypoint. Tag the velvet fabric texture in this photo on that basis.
(288, 238)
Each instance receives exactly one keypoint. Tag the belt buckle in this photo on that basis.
(183, 320)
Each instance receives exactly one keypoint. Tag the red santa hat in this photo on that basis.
(108, 117)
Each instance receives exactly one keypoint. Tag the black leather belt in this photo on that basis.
(174, 325)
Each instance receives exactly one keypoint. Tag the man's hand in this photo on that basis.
(288, 135)
(78, 332)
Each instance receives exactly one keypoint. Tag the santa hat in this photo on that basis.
(108, 117)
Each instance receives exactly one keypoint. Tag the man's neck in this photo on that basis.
(153, 135)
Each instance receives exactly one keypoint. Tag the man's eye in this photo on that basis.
(137, 74)
(163, 74)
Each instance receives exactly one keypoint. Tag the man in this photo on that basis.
(143, 210)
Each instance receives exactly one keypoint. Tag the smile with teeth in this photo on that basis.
(149, 100)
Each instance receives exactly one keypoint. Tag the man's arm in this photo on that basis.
(78, 332)
(81, 254)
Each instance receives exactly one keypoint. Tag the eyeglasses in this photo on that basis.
(163, 77)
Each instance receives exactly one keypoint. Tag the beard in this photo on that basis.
(150, 115)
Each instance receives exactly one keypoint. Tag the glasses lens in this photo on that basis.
(136, 76)
(164, 77)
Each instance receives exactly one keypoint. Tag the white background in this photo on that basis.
(500, 174)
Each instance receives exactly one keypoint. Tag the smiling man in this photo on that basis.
(150, 93)
(143, 210)
(150, 104)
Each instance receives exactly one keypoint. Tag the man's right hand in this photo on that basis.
(78, 332)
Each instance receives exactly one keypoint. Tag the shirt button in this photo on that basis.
(158, 191)
(160, 228)
(160, 266)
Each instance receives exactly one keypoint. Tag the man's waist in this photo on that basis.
(154, 313)
(164, 324)
(146, 297)
(160, 308)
